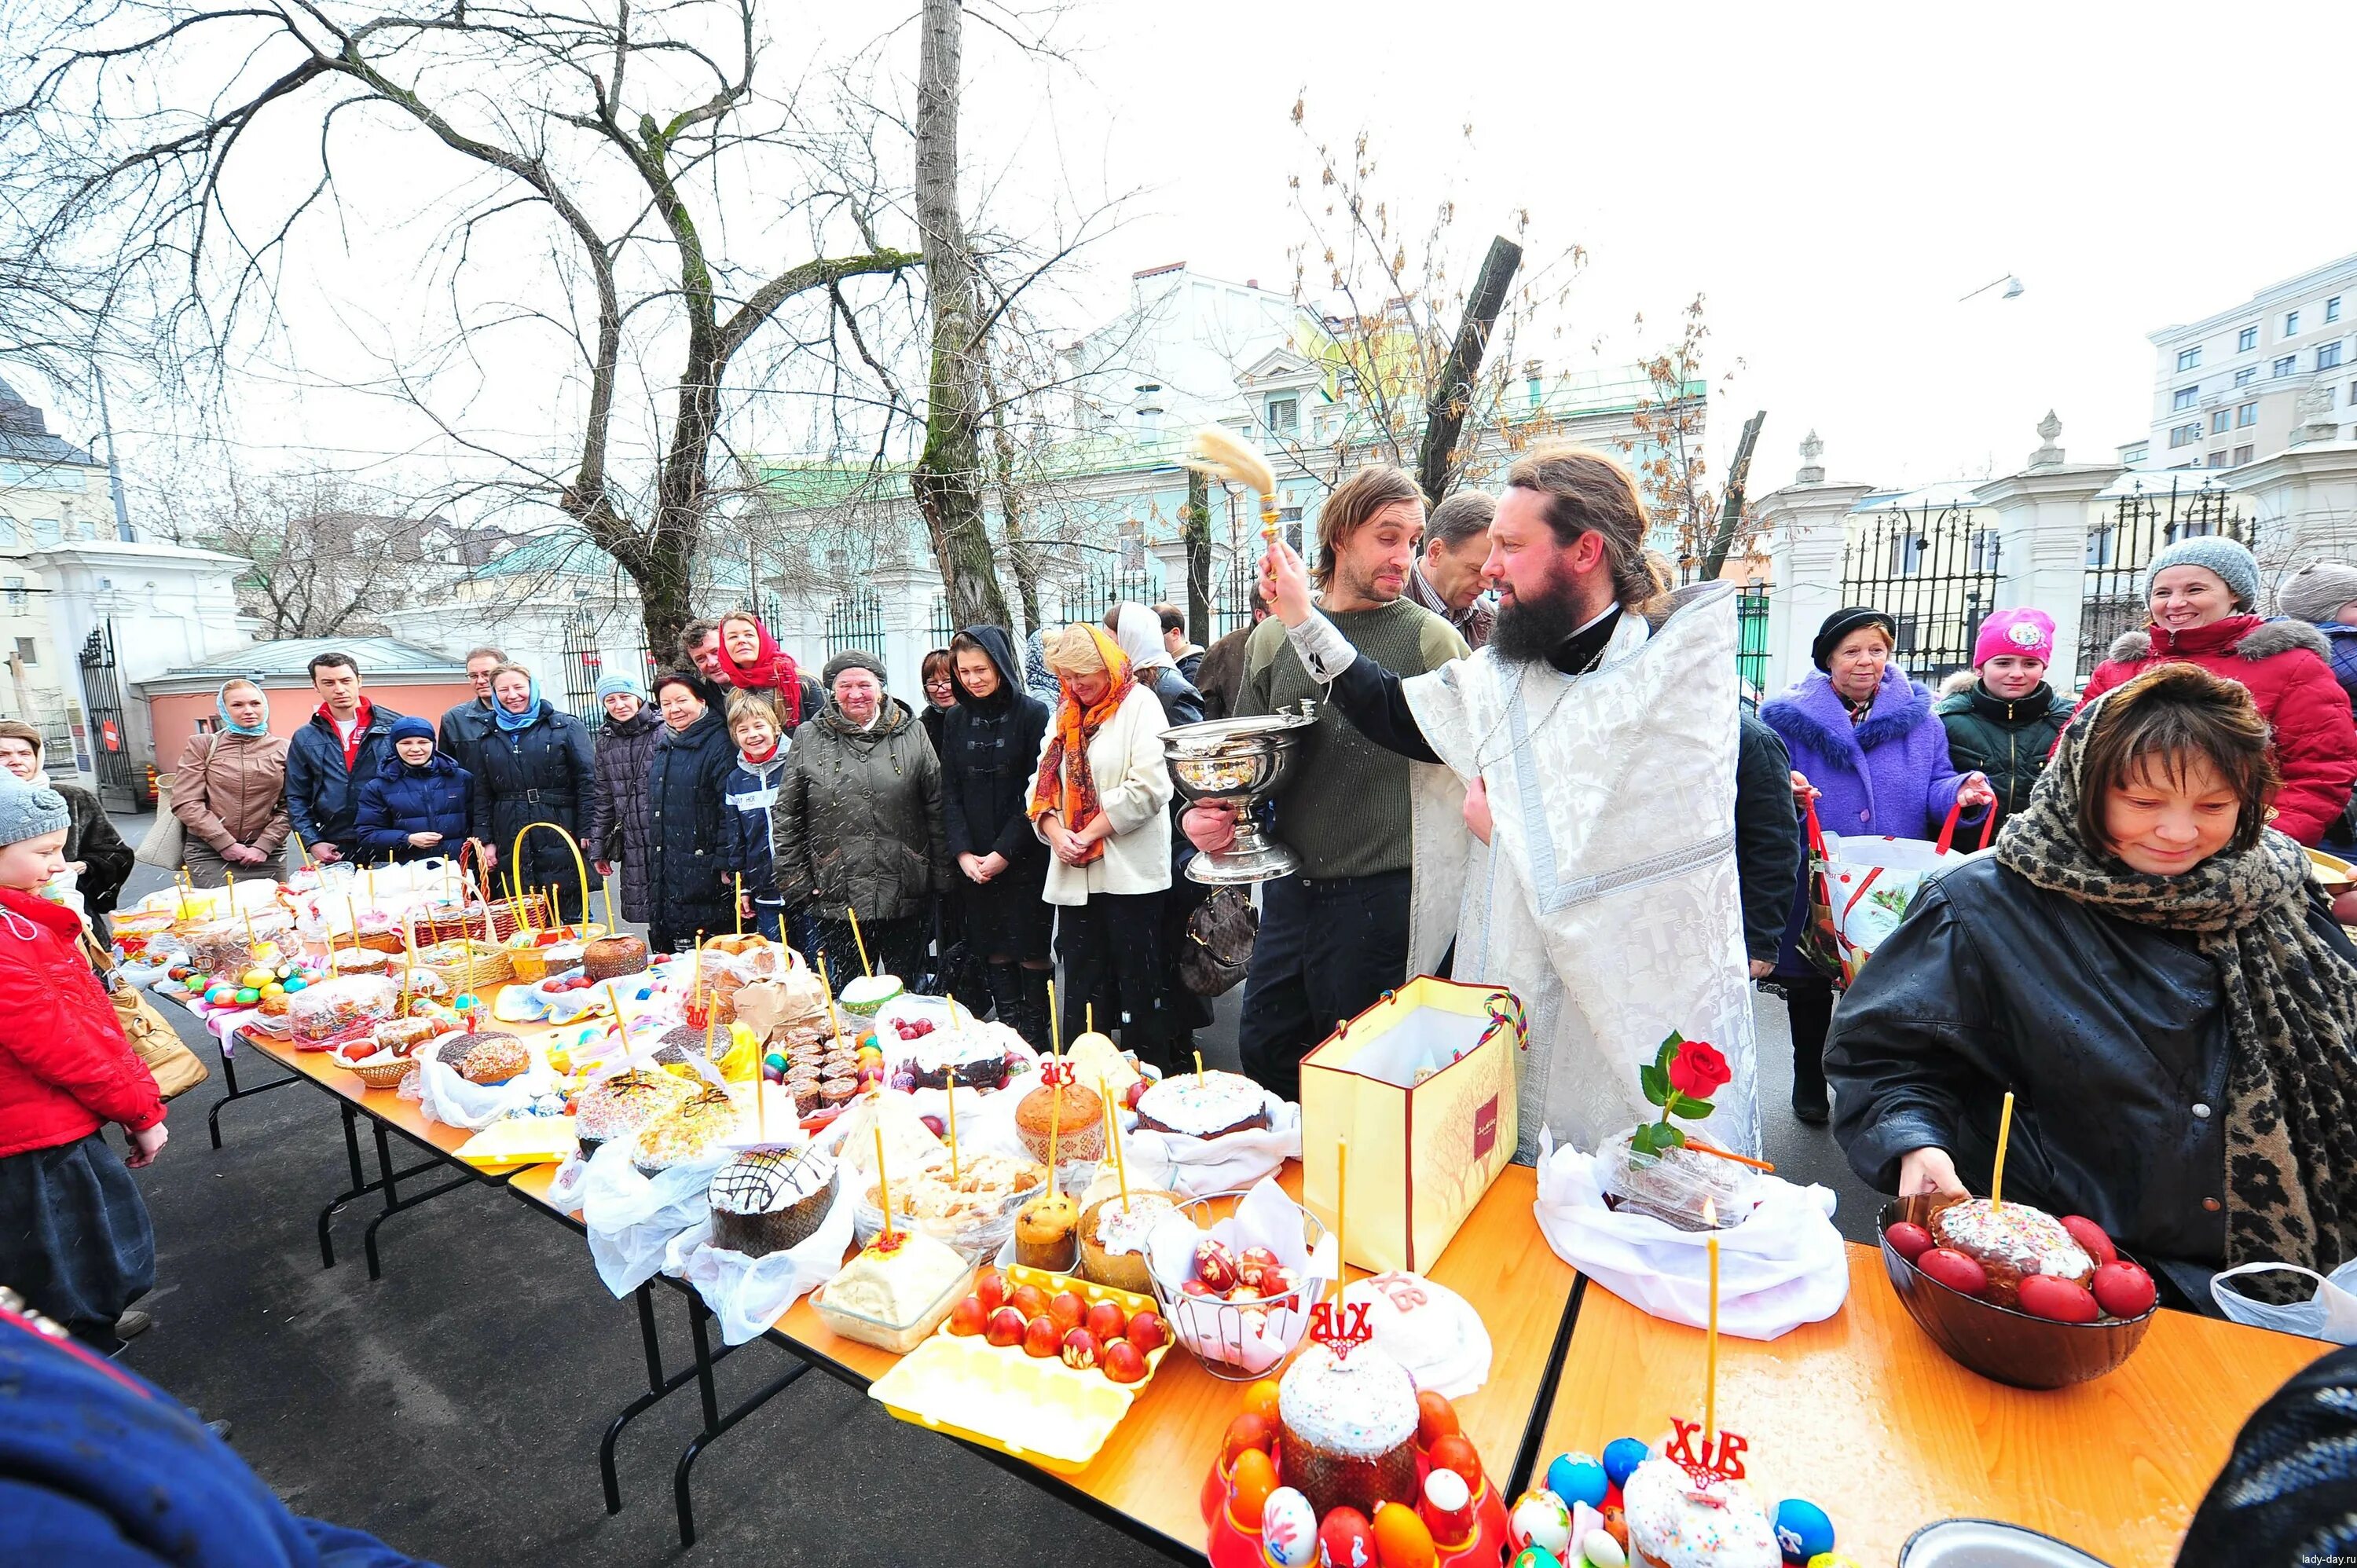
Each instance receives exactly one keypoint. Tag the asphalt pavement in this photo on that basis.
(454, 1408)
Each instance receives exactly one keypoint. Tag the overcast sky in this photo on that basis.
(1833, 181)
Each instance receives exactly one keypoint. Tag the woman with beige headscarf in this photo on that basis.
(1099, 800)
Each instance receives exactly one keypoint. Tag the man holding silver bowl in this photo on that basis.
(1336, 936)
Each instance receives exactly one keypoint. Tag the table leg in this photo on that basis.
(360, 1183)
(656, 1388)
(228, 1077)
(714, 1423)
(393, 1202)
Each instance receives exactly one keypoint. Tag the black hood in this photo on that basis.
(1000, 647)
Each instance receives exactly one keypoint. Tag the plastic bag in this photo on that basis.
(2330, 1314)
(632, 1218)
(447, 1098)
(337, 1009)
(748, 1294)
(1675, 1186)
(1198, 1167)
(1784, 1266)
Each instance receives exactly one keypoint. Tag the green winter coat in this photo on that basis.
(859, 817)
(2008, 741)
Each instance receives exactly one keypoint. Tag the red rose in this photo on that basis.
(1697, 1070)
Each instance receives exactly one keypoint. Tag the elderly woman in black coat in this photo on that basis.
(687, 861)
(2150, 971)
(990, 742)
(617, 809)
(533, 765)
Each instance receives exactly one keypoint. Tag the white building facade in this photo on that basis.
(2231, 387)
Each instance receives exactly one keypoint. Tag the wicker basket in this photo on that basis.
(386, 1075)
(490, 966)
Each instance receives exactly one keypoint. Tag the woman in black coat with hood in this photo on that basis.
(990, 745)
(687, 860)
(534, 766)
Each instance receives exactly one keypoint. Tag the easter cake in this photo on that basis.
(1680, 1520)
(1346, 1427)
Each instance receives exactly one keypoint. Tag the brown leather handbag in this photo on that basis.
(1218, 947)
(177, 1070)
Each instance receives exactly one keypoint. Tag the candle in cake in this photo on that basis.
(1112, 1139)
(1198, 1069)
(1342, 1213)
(606, 888)
(1710, 1351)
(738, 878)
(882, 1191)
(1055, 1033)
(833, 1028)
(865, 967)
(949, 1093)
(353, 909)
(1055, 1126)
(1996, 1172)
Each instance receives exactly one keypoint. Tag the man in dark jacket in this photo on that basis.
(347, 743)
(462, 729)
(1187, 657)
(1768, 845)
(990, 749)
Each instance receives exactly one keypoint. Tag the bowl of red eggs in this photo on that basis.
(2062, 1332)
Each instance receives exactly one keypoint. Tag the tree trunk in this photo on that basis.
(1739, 474)
(1010, 503)
(948, 480)
(1451, 394)
(1195, 527)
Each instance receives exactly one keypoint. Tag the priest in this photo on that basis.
(1584, 823)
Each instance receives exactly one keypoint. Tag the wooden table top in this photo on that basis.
(385, 1105)
(1864, 1416)
(1154, 1464)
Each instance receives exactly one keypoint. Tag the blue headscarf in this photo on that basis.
(513, 722)
(221, 702)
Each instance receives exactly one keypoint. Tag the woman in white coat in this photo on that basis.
(1099, 800)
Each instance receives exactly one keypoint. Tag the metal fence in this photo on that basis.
(1751, 640)
(1933, 570)
(1233, 593)
(941, 627)
(584, 668)
(2121, 544)
(120, 784)
(856, 620)
(1104, 583)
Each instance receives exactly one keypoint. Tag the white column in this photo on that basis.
(908, 595)
(1805, 524)
(2041, 520)
(2303, 501)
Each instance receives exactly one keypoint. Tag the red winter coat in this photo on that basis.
(65, 1066)
(2286, 664)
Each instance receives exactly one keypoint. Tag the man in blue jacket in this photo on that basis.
(348, 742)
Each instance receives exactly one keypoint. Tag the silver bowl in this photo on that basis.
(1237, 762)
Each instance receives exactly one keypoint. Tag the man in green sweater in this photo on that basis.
(1334, 938)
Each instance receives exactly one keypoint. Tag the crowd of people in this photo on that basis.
(1513, 708)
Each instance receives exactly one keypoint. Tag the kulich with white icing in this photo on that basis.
(1347, 1429)
(1674, 1523)
(2011, 1242)
(1121, 1228)
(1203, 1105)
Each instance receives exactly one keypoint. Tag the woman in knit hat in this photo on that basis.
(74, 1236)
(618, 801)
(418, 808)
(2203, 595)
(1866, 749)
(2004, 724)
(2324, 595)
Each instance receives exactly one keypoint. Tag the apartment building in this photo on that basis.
(2224, 387)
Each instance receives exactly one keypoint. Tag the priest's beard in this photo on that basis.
(1528, 628)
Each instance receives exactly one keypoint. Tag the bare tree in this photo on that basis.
(633, 142)
(1666, 441)
(328, 560)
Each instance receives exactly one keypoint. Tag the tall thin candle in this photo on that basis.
(1341, 1214)
(949, 1093)
(834, 1025)
(738, 906)
(865, 967)
(1112, 1139)
(1710, 1354)
(1997, 1173)
(1055, 1034)
(882, 1191)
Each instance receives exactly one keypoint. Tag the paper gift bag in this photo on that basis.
(1422, 1084)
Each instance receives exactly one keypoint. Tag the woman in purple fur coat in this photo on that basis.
(1868, 748)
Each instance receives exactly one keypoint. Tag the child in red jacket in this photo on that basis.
(74, 1236)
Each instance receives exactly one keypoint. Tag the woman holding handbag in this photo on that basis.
(228, 793)
(74, 1234)
(1867, 750)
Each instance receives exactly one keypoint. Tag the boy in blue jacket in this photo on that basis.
(417, 809)
(750, 793)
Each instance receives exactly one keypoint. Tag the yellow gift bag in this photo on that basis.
(1423, 1085)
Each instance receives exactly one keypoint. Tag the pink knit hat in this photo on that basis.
(2023, 631)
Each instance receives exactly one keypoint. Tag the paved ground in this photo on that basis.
(455, 1407)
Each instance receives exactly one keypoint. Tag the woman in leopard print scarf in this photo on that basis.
(2289, 995)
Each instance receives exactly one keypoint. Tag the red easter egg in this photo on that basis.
(1106, 1320)
(1215, 1266)
(1345, 1540)
(1041, 1336)
(1148, 1332)
(1124, 1362)
(1246, 1431)
(1004, 1328)
(1436, 1418)
(1068, 1308)
(1955, 1271)
(1909, 1239)
(1029, 1300)
(967, 1317)
(2090, 1238)
(2064, 1301)
(1080, 1350)
(2123, 1290)
(990, 1288)
(1455, 1451)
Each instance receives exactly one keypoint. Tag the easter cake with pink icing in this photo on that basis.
(1346, 1426)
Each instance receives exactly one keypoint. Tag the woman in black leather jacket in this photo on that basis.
(2155, 976)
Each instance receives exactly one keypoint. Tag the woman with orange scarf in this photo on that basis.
(1100, 802)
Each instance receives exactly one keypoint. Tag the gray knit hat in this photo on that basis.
(2318, 591)
(851, 659)
(28, 810)
(2212, 552)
